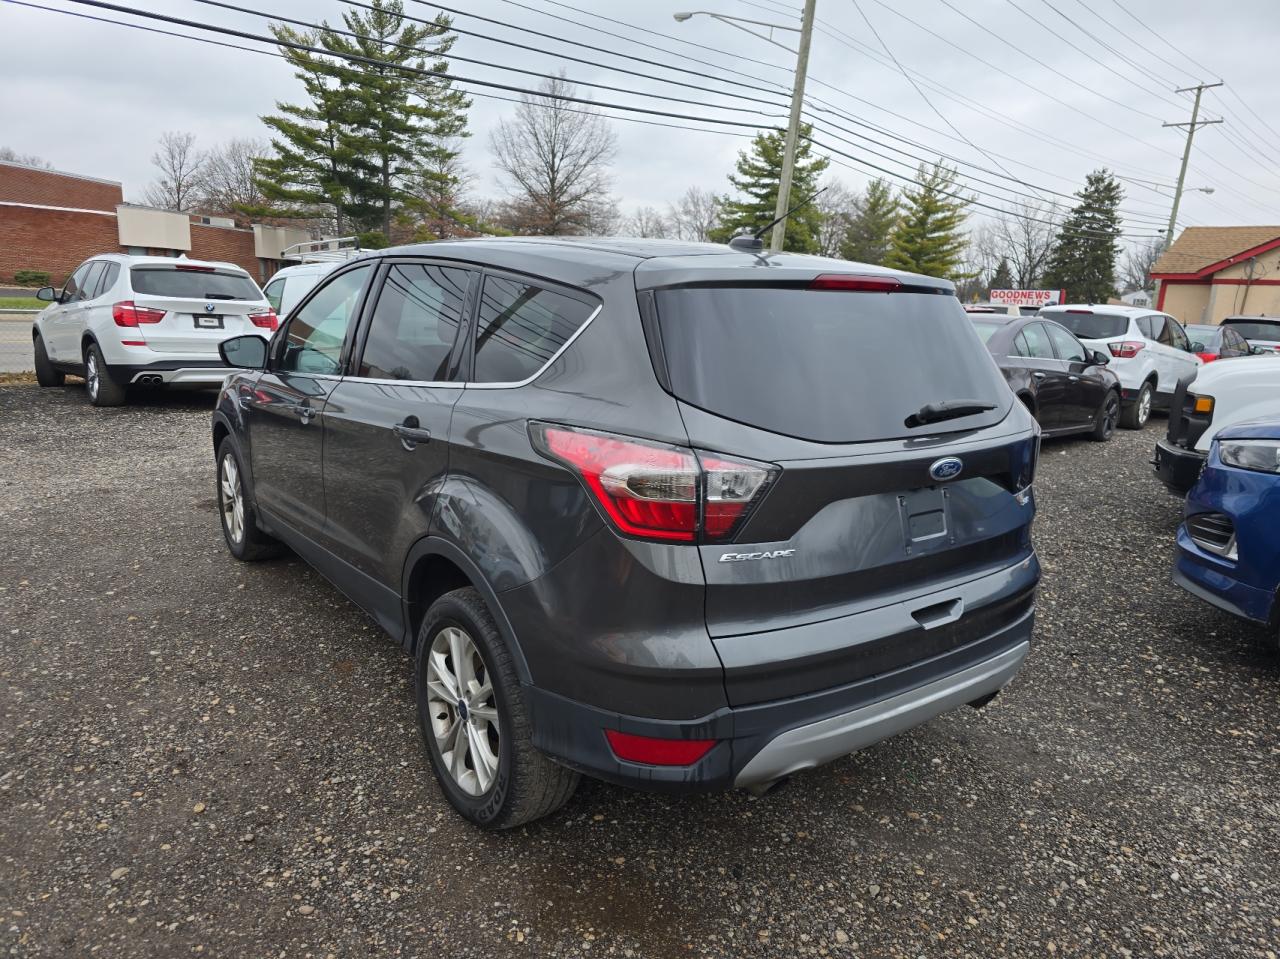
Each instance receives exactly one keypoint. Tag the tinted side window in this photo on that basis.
(1068, 346)
(71, 290)
(520, 327)
(109, 277)
(274, 292)
(1160, 330)
(1146, 328)
(89, 286)
(415, 323)
(1020, 347)
(1177, 335)
(1235, 341)
(314, 335)
(1037, 339)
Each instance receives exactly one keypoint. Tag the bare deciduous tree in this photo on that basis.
(181, 181)
(556, 155)
(695, 215)
(647, 222)
(227, 184)
(1138, 261)
(836, 205)
(1024, 236)
(10, 155)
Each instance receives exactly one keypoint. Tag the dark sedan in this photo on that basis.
(1065, 384)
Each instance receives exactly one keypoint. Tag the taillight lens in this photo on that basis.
(652, 751)
(1208, 357)
(129, 314)
(265, 321)
(655, 490)
(1126, 349)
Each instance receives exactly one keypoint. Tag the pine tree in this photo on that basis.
(371, 132)
(929, 236)
(875, 214)
(1002, 279)
(759, 172)
(1083, 261)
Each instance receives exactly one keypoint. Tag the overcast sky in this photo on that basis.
(92, 98)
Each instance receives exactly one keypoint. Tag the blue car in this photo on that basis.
(1229, 542)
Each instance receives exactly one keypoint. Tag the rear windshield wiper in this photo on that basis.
(947, 410)
(220, 296)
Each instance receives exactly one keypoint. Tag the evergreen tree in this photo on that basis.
(929, 236)
(1083, 261)
(875, 214)
(369, 133)
(759, 172)
(1002, 279)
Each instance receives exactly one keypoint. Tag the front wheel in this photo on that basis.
(46, 373)
(1108, 416)
(1135, 415)
(474, 720)
(239, 518)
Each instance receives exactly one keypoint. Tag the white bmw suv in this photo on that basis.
(1149, 352)
(145, 320)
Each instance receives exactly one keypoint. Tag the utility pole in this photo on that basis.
(1194, 125)
(793, 129)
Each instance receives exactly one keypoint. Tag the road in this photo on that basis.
(202, 757)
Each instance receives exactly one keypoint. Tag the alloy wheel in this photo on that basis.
(231, 497)
(91, 375)
(1111, 415)
(1144, 407)
(463, 711)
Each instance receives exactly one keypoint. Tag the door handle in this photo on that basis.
(1038, 375)
(410, 433)
(1074, 379)
(305, 412)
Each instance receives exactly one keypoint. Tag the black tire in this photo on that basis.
(102, 389)
(1134, 416)
(46, 374)
(526, 784)
(250, 544)
(1108, 417)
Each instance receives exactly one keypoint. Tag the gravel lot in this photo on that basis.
(199, 757)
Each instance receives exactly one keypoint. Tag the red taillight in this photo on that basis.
(855, 284)
(1088, 312)
(657, 752)
(188, 268)
(1126, 349)
(1208, 357)
(654, 490)
(131, 315)
(265, 321)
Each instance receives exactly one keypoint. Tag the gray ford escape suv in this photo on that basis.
(677, 516)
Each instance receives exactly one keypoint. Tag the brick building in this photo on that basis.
(52, 221)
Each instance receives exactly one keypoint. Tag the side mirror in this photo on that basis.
(47, 294)
(1198, 347)
(244, 352)
(1258, 350)
(1100, 358)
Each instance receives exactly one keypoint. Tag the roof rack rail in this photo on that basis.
(333, 250)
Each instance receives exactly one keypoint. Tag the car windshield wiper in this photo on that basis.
(947, 410)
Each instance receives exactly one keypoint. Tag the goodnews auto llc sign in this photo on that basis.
(1028, 297)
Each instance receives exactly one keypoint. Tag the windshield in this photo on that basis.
(1255, 329)
(986, 329)
(193, 284)
(823, 365)
(1091, 326)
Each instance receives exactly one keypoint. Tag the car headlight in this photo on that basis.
(1260, 455)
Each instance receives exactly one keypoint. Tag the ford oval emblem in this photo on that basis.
(209, 307)
(947, 468)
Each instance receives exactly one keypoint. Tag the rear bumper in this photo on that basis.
(763, 742)
(179, 371)
(1177, 468)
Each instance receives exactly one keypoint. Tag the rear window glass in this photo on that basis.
(520, 327)
(193, 284)
(985, 330)
(828, 366)
(1255, 329)
(1092, 326)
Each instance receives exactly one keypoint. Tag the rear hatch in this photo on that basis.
(191, 308)
(1107, 332)
(1262, 333)
(825, 384)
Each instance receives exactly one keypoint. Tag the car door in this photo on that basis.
(62, 336)
(386, 423)
(1183, 359)
(1047, 372)
(1085, 388)
(285, 408)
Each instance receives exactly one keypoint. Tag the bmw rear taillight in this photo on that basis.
(265, 321)
(655, 490)
(128, 314)
(1127, 349)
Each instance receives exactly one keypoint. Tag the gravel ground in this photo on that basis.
(199, 757)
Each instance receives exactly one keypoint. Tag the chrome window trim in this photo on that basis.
(436, 384)
(542, 369)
